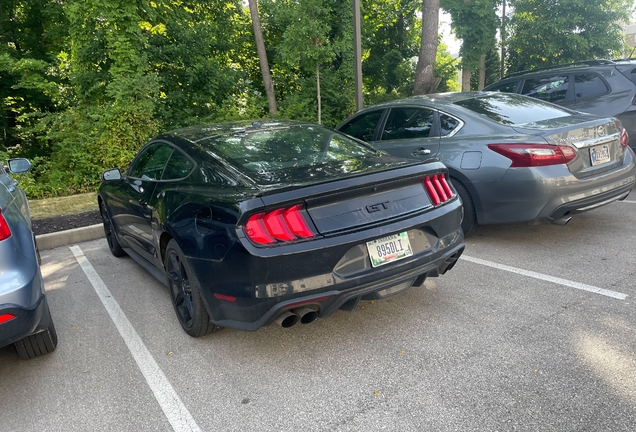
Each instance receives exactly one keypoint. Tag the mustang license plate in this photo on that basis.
(599, 154)
(388, 249)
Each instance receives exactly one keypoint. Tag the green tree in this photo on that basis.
(475, 22)
(311, 45)
(544, 33)
(32, 33)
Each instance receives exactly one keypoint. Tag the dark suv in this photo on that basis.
(601, 87)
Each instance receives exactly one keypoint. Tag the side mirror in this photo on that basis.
(19, 165)
(111, 174)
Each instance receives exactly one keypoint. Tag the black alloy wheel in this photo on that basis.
(111, 238)
(186, 294)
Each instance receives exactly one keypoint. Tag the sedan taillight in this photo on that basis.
(531, 155)
(5, 231)
(280, 225)
(438, 188)
(623, 137)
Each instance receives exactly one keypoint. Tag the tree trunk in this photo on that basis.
(482, 73)
(425, 71)
(318, 94)
(262, 56)
(465, 80)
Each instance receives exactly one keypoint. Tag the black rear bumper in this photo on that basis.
(328, 301)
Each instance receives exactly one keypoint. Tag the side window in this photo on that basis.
(550, 89)
(408, 123)
(589, 84)
(363, 127)
(150, 164)
(507, 87)
(178, 167)
(448, 124)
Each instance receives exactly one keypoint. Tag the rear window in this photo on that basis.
(512, 109)
(288, 147)
(588, 85)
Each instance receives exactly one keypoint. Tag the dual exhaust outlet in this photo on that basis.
(289, 318)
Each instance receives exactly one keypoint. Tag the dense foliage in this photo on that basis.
(85, 83)
(545, 33)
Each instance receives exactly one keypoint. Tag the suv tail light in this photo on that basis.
(5, 231)
(6, 318)
(438, 188)
(281, 225)
(531, 155)
(623, 137)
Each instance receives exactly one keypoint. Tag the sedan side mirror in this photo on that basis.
(19, 165)
(111, 174)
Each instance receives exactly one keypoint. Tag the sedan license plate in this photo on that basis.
(600, 154)
(389, 249)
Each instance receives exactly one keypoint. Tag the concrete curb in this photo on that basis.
(72, 236)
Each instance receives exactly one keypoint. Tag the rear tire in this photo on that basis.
(469, 223)
(185, 292)
(111, 237)
(38, 344)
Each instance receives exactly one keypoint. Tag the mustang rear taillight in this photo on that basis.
(5, 231)
(6, 318)
(438, 189)
(623, 137)
(531, 155)
(280, 225)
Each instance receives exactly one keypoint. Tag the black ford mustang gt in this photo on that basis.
(279, 221)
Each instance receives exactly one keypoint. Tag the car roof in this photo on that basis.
(435, 100)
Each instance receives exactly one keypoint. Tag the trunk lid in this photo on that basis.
(596, 140)
(355, 202)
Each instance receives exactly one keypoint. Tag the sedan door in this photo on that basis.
(410, 132)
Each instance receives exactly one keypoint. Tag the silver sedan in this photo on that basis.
(510, 157)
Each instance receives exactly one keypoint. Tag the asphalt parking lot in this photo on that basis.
(532, 331)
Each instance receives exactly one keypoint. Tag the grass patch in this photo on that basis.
(62, 206)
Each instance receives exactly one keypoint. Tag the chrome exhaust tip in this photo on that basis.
(286, 319)
(562, 221)
(306, 315)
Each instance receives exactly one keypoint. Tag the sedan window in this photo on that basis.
(363, 127)
(508, 108)
(150, 163)
(550, 89)
(408, 123)
(447, 124)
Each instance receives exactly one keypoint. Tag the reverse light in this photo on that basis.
(5, 231)
(623, 137)
(531, 155)
(6, 318)
(281, 225)
(438, 188)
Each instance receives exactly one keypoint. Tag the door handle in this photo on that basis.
(421, 152)
(11, 187)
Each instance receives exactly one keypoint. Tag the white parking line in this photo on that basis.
(571, 284)
(176, 412)
(629, 202)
